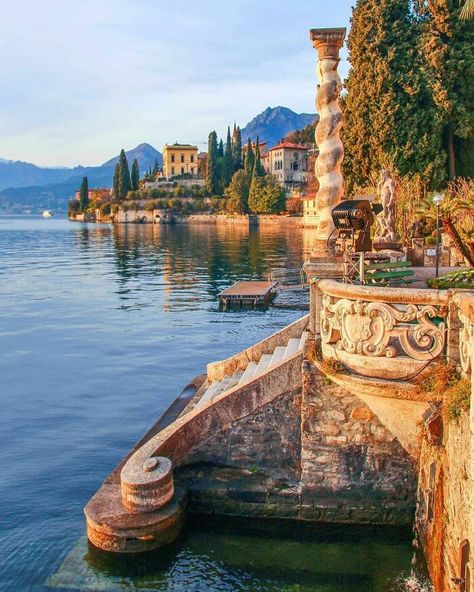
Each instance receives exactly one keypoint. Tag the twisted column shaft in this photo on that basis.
(328, 42)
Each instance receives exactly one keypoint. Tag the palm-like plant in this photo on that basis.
(457, 216)
(467, 11)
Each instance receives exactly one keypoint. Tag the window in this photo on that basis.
(172, 158)
(182, 170)
(182, 157)
(192, 158)
(192, 169)
(172, 170)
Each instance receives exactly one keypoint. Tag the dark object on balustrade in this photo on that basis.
(353, 219)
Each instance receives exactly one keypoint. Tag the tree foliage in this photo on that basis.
(390, 117)
(135, 178)
(266, 195)
(84, 194)
(238, 192)
(448, 64)
(212, 177)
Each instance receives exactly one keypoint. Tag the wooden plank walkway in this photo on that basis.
(252, 293)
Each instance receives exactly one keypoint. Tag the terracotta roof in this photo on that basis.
(289, 145)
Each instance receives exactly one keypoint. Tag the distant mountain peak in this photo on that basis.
(274, 123)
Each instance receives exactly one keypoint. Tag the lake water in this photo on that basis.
(100, 329)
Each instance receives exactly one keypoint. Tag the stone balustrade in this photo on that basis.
(382, 332)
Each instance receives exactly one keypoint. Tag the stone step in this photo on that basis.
(304, 335)
(209, 394)
(292, 347)
(222, 387)
(234, 379)
(263, 364)
(248, 373)
(278, 355)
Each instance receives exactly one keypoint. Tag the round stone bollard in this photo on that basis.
(147, 486)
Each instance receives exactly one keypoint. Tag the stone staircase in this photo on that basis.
(254, 369)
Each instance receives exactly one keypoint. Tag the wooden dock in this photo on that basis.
(248, 293)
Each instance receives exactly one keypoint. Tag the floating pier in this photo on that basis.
(248, 293)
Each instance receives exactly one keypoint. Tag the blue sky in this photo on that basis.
(84, 78)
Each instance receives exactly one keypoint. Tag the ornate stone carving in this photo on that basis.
(328, 42)
(466, 343)
(380, 329)
(386, 219)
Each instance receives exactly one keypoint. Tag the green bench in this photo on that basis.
(391, 273)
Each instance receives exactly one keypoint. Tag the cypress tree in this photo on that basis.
(249, 159)
(156, 168)
(220, 149)
(212, 181)
(125, 184)
(228, 167)
(84, 194)
(448, 62)
(237, 149)
(258, 166)
(390, 118)
(135, 175)
(115, 186)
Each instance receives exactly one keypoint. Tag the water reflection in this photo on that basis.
(229, 554)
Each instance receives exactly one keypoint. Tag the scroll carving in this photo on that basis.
(379, 329)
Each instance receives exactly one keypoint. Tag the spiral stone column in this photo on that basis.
(328, 42)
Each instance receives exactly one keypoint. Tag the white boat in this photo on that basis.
(47, 214)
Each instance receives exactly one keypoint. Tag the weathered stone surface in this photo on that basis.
(346, 449)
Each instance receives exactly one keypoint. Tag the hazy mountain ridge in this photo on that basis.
(51, 188)
(275, 123)
(25, 185)
(14, 174)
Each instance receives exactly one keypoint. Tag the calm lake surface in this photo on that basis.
(100, 329)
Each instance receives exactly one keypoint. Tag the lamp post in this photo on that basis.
(437, 199)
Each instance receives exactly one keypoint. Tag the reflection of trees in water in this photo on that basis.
(208, 256)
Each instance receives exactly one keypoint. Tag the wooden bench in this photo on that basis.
(391, 273)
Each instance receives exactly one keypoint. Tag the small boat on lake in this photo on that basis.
(47, 214)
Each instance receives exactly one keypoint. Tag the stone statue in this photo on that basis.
(386, 218)
(418, 229)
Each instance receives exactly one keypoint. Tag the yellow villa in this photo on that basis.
(180, 159)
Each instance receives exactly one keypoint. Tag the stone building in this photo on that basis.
(180, 159)
(289, 163)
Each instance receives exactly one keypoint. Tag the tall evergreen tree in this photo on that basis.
(135, 178)
(220, 149)
(156, 168)
(212, 178)
(84, 194)
(237, 148)
(115, 186)
(390, 118)
(258, 166)
(446, 46)
(125, 183)
(228, 167)
(249, 158)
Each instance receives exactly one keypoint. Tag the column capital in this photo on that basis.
(328, 42)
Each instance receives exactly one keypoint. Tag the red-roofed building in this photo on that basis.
(289, 163)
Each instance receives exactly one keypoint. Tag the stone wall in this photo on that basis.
(444, 517)
(350, 458)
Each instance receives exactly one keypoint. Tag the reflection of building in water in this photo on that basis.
(310, 213)
(309, 238)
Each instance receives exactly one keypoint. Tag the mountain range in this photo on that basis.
(26, 186)
(273, 124)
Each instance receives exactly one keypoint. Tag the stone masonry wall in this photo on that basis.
(268, 439)
(348, 457)
(443, 518)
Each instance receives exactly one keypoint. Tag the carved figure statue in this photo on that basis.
(418, 229)
(386, 218)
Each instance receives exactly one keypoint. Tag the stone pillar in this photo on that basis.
(328, 42)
